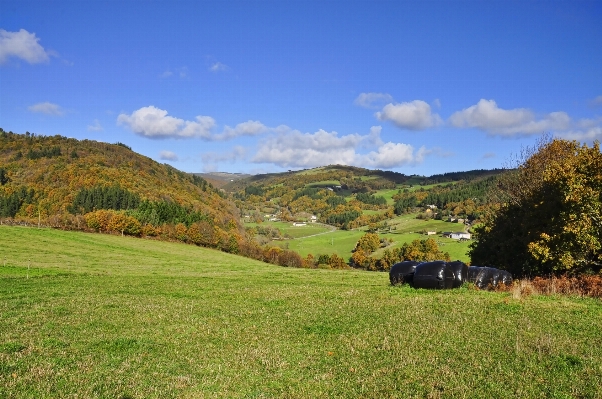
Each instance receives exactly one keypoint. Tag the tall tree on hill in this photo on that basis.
(550, 217)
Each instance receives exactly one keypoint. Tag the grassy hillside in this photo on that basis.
(102, 316)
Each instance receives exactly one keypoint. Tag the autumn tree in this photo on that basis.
(368, 243)
(550, 216)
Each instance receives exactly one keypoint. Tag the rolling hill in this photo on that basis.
(56, 178)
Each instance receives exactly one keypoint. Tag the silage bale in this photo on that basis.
(434, 275)
(402, 272)
(460, 270)
(485, 277)
(506, 277)
(473, 272)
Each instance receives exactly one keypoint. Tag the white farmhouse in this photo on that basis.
(458, 235)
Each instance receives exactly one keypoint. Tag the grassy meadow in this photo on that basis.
(99, 316)
(321, 239)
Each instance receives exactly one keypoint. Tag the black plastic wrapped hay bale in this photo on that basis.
(497, 277)
(473, 272)
(460, 270)
(485, 277)
(506, 277)
(434, 275)
(402, 272)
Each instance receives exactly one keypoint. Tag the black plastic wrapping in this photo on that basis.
(402, 272)
(460, 270)
(506, 277)
(473, 272)
(484, 279)
(497, 278)
(434, 275)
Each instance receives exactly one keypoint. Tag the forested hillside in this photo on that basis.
(59, 181)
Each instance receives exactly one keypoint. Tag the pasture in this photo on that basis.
(317, 239)
(100, 316)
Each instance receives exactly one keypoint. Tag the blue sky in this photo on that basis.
(419, 87)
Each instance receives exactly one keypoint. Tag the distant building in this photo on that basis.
(459, 235)
(299, 224)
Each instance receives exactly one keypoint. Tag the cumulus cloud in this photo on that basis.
(373, 138)
(23, 45)
(218, 67)
(391, 155)
(248, 128)
(47, 108)
(95, 126)
(487, 116)
(591, 134)
(414, 115)
(372, 100)
(168, 156)
(300, 150)
(154, 122)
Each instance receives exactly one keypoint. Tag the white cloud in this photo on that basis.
(218, 67)
(248, 128)
(487, 116)
(391, 155)
(372, 100)
(301, 150)
(21, 44)
(168, 156)
(297, 149)
(594, 133)
(373, 139)
(166, 74)
(95, 126)
(153, 122)
(415, 115)
(47, 108)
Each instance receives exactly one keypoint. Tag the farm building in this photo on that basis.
(459, 235)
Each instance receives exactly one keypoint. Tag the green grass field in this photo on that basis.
(406, 228)
(287, 228)
(339, 242)
(98, 316)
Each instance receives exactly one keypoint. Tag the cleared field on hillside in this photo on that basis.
(409, 224)
(116, 317)
(287, 228)
(405, 229)
(339, 242)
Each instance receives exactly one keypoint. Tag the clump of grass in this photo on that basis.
(521, 289)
